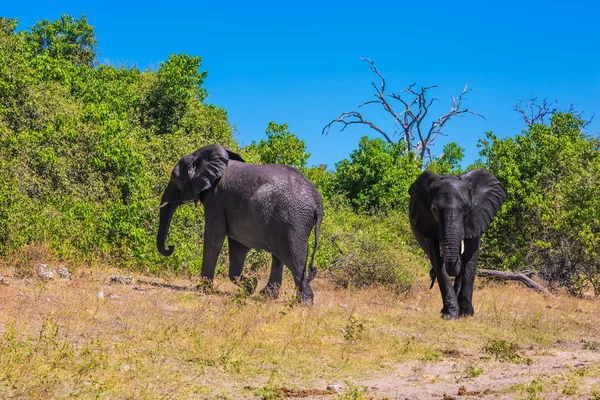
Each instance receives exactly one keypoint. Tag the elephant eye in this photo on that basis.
(434, 210)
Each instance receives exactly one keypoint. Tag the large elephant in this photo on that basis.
(448, 214)
(268, 207)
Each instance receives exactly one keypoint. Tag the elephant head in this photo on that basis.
(452, 208)
(192, 175)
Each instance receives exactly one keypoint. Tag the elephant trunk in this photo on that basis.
(166, 214)
(452, 242)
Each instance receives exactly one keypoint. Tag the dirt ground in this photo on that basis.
(89, 337)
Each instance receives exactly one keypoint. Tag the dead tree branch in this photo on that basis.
(538, 112)
(534, 112)
(488, 273)
(410, 117)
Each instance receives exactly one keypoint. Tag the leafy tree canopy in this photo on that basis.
(551, 219)
(377, 175)
(281, 147)
(68, 37)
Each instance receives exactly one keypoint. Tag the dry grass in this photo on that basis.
(59, 339)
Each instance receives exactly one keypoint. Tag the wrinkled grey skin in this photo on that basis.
(446, 210)
(267, 207)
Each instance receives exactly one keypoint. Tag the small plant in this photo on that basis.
(473, 371)
(595, 395)
(570, 388)
(503, 350)
(591, 345)
(267, 393)
(534, 390)
(431, 355)
(292, 302)
(353, 329)
(352, 392)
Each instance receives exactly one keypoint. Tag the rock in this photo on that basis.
(45, 272)
(113, 296)
(3, 280)
(63, 272)
(337, 388)
(122, 279)
(101, 295)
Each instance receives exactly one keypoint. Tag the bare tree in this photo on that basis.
(534, 111)
(414, 107)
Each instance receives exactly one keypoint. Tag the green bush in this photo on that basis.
(86, 149)
(377, 176)
(365, 250)
(552, 178)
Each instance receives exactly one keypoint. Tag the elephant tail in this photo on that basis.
(312, 271)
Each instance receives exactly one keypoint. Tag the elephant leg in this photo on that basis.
(451, 308)
(214, 236)
(272, 288)
(296, 262)
(237, 256)
(465, 295)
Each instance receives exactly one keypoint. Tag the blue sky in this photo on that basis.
(297, 62)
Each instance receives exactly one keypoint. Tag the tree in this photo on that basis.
(177, 82)
(68, 37)
(78, 167)
(551, 219)
(449, 161)
(377, 175)
(410, 120)
(534, 111)
(281, 147)
(8, 25)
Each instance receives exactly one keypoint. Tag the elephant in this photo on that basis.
(448, 214)
(268, 207)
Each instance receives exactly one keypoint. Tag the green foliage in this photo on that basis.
(503, 350)
(360, 251)
(353, 329)
(281, 147)
(473, 371)
(534, 390)
(449, 161)
(67, 38)
(80, 165)
(552, 178)
(175, 87)
(8, 25)
(377, 176)
(267, 393)
(352, 392)
(321, 178)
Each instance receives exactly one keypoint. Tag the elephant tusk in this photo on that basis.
(462, 247)
(159, 207)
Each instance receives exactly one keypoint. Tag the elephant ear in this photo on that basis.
(487, 195)
(421, 217)
(207, 165)
(234, 156)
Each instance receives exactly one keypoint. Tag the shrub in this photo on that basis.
(361, 250)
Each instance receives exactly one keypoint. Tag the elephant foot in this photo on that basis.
(271, 291)
(449, 314)
(466, 310)
(306, 300)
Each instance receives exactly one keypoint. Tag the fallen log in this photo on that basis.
(512, 276)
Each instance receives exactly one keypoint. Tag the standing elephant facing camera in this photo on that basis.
(448, 215)
(267, 207)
